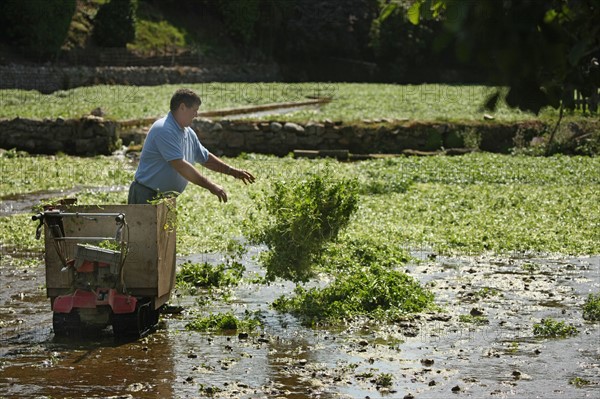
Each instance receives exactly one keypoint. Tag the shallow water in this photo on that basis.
(22, 203)
(428, 356)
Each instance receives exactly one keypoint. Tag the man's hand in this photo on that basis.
(219, 192)
(243, 175)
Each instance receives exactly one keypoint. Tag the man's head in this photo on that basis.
(184, 106)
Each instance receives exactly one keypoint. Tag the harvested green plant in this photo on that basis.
(384, 380)
(302, 216)
(205, 275)
(550, 328)
(372, 290)
(591, 308)
(579, 382)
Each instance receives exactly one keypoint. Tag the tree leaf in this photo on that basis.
(387, 11)
(414, 13)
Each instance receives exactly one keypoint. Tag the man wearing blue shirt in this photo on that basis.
(170, 151)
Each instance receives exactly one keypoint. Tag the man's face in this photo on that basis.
(187, 115)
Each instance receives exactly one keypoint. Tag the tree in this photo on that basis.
(114, 25)
(544, 52)
(37, 27)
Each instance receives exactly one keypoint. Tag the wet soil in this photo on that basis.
(432, 355)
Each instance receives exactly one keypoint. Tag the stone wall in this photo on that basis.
(48, 79)
(387, 137)
(93, 135)
(86, 136)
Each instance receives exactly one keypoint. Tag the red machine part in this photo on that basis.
(119, 303)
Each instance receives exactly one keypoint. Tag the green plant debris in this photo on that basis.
(209, 390)
(372, 290)
(591, 308)
(478, 320)
(223, 322)
(531, 268)
(550, 328)
(108, 244)
(303, 216)
(487, 292)
(205, 275)
(513, 348)
(384, 380)
(579, 382)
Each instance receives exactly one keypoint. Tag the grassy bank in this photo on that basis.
(466, 205)
(351, 101)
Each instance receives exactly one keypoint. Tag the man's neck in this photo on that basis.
(179, 125)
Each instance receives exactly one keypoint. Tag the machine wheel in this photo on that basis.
(136, 324)
(67, 324)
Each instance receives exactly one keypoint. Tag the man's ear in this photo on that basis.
(181, 107)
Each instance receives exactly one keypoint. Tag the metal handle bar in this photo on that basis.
(119, 217)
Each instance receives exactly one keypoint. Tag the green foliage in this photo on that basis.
(591, 308)
(321, 29)
(114, 25)
(223, 322)
(240, 17)
(579, 382)
(541, 52)
(348, 253)
(402, 49)
(156, 37)
(302, 216)
(487, 292)
(365, 290)
(550, 328)
(37, 27)
(384, 380)
(205, 275)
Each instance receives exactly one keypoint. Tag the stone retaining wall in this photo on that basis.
(388, 137)
(93, 135)
(48, 79)
(85, 136)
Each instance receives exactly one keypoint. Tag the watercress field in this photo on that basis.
(454, 274)
(351, 101)
(458, 205)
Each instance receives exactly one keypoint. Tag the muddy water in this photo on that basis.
(21, 203)
(430, 356)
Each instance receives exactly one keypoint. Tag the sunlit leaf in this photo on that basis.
(414, 13)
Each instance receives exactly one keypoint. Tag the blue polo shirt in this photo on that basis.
(167, 141)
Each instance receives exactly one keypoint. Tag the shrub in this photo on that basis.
(38, 27)
(114, 25)
(301, 218)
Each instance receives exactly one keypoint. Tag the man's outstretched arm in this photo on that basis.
(214, 163)
(190, 173)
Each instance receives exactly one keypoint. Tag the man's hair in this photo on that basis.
(185, 96)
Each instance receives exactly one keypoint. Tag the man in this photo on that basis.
(170, 151)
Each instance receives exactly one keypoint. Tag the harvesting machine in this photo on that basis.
(108, 265)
